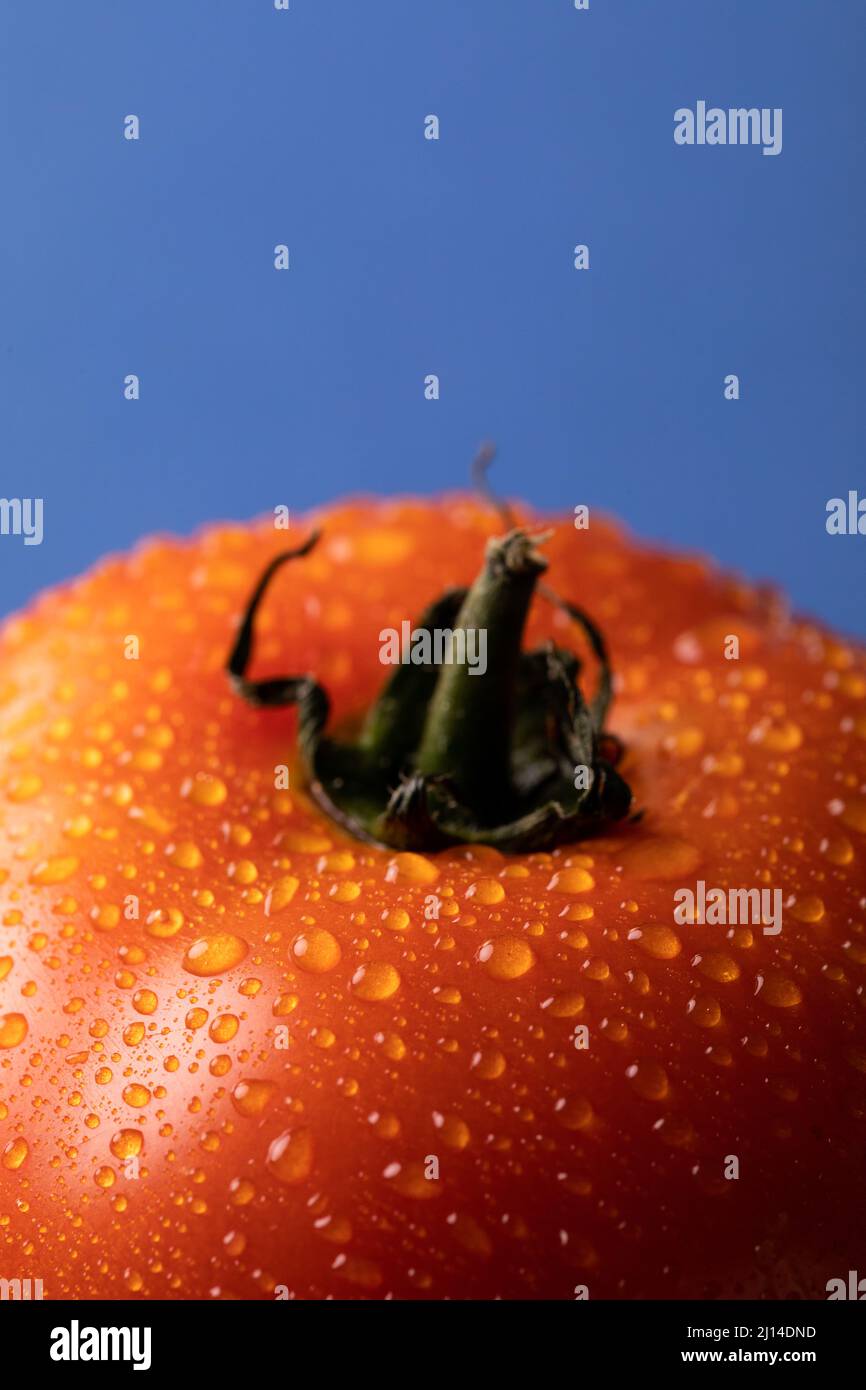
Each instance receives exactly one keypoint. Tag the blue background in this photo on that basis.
(410, 257)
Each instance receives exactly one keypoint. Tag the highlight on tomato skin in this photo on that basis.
(245, 1055)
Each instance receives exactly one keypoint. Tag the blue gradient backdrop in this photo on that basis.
(409, 257)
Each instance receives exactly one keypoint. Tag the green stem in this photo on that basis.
(468, 728)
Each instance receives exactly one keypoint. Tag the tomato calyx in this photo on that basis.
(508, 754)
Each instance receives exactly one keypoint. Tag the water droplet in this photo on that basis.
(127, 1143)
(285, 1004)
(615, 1029)
(24, 788)
(243, 871)
(838, 849)
(213, 955)
(144, 1001)
(704, 1010)
(338, 862)
(223, 1028)
(577, 912)
(649, 1079)
(783, 736)
(409, 1180)
(396, 919)
(411, 868)
(164, 923)
(345, 892)
(778, 991)
(685, 742)
(564, 1005)
(55, 870)
(470, 1234)
(718, 966)
(573, 880)
(574, 1112)
(252, 1097)
(316, 950)
(290, 1157)
(235, 1243)
(392, 1045)
(452, 1130)
(205, 789)
(136, 1095)
(488, 1063)
(385, 1125)
(306, 842)
(660, 857)
(856, 951)
(376, 981)
(854, 814)
(185, 855)
(242, 1192)
(105, 917)
(506, 957)
(15, 1153)
(675, 1130)
(486, 890)
(13, 1030)
(575, 940)
(809, 908)
(660, 942)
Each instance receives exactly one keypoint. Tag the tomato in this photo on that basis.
(244, 1054)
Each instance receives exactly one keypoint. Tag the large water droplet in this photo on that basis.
(506, 957)
(316, 950)
(290, 1157)
(13, 1030)
(375, 981)
(213, 955)
(660, 942)
(252, 1097)
(660, 857)
(15, 1153)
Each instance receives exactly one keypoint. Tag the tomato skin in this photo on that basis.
(412, 1037)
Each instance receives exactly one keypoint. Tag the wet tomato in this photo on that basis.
(244, 1054)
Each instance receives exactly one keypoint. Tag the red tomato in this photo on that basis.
(244, 1055)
